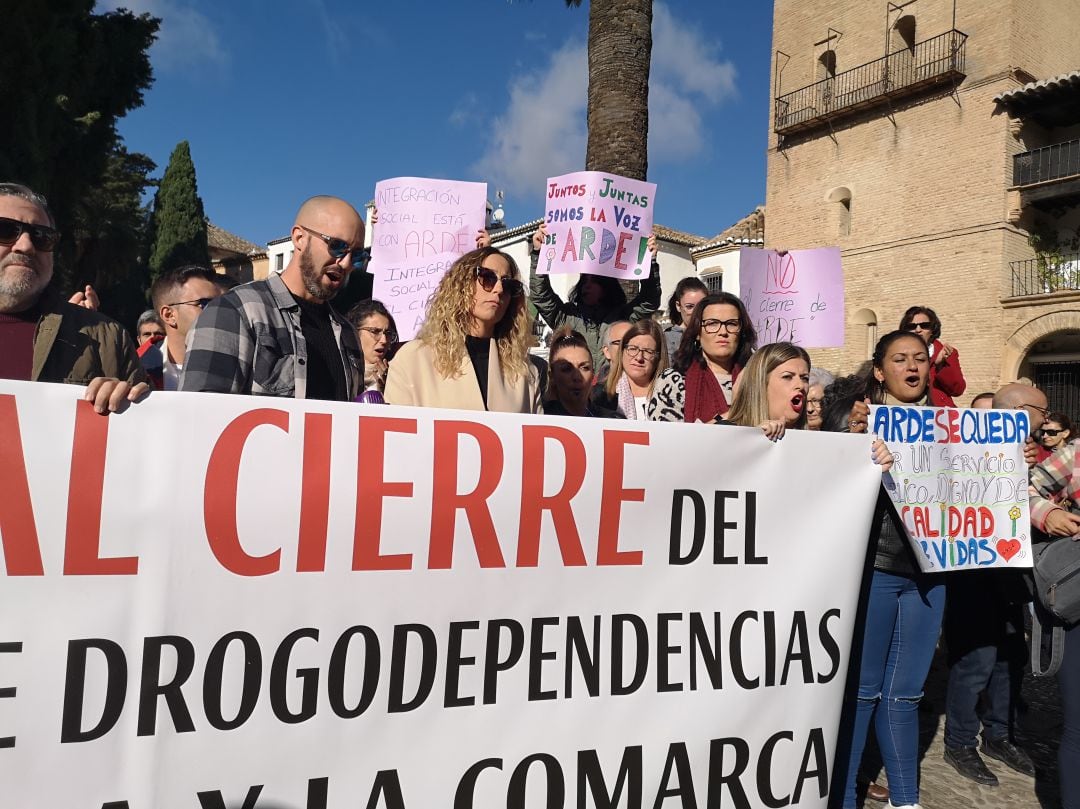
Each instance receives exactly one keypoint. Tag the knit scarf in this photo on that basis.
(704, 398)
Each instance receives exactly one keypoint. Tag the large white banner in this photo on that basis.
(215, 601)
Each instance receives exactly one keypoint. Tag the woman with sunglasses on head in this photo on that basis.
(640, 358)
(945, 373)
(472, 353)
(717, 343)
(570, 378)
(378, 336)
(595, 301)
(904, 606)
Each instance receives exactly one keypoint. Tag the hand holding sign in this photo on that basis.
(597, 223)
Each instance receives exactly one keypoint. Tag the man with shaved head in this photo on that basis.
(280, 337)
(984, 634)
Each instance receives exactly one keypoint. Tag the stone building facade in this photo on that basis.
(902, 132)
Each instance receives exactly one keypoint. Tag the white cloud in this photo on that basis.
(686, 77)
(467, 110)
(187, 37)
(542, 132)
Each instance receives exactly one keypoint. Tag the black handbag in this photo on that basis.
(1057, 598)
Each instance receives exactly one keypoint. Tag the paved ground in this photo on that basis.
(1039, 730)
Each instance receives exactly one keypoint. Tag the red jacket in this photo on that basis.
(946, 380)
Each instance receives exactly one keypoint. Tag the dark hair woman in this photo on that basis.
(595, 301)
(904, 606)
(715, 347)
(945, 373)
(570, 377)
(1054, 435)
(688, 293)
(378, 338)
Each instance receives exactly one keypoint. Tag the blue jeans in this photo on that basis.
(903, 619)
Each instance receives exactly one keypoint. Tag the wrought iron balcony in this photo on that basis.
(1048, 175)
(1041, 276)
(906, 72)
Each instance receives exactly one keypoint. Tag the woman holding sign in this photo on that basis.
(472, 351)
(715, 347)
(904, 606)
(595, 300)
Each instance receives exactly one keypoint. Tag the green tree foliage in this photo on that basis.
(67, 76)
(178, 224)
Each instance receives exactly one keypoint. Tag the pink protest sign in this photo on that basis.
(598, 223)
(796, 297)
(424, 226)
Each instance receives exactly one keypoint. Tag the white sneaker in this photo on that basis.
(905, 806)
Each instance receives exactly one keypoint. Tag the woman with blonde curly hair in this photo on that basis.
(472, 351)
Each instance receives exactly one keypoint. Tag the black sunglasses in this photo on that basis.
(339, 248)
(927, 326)
(200, 302)
(488, 279)
(1051, 433)
(43, 237)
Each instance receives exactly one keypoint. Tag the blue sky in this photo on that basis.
(283, 100)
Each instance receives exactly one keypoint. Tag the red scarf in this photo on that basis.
(704, 397)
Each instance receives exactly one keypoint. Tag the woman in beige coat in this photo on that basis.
(472, 351)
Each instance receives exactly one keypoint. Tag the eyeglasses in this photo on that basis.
(377, 333)
(43, 237)
(1045, 412)
(646, 353)
(488, 279)
(714, 326)
(339, 248)
(200, 302)
(1051, 433)
(814, 403)
(921, 326)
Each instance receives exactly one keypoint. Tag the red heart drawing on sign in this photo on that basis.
(1008, 548)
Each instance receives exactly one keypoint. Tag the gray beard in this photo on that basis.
(19, 294)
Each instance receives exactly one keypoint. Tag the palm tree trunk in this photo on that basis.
(620, 50)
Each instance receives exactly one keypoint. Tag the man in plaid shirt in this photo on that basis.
(281, 337)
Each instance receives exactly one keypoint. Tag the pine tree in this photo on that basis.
(178, 224)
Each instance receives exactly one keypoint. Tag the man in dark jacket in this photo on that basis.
(45, 338)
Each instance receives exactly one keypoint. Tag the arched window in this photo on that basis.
(839, 201)
(905, 27)
(827, 64)
(866, 320)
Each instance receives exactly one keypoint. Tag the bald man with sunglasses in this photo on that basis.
(280, 336)
(45, 338)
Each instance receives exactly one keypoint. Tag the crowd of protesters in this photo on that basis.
(608, 358)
